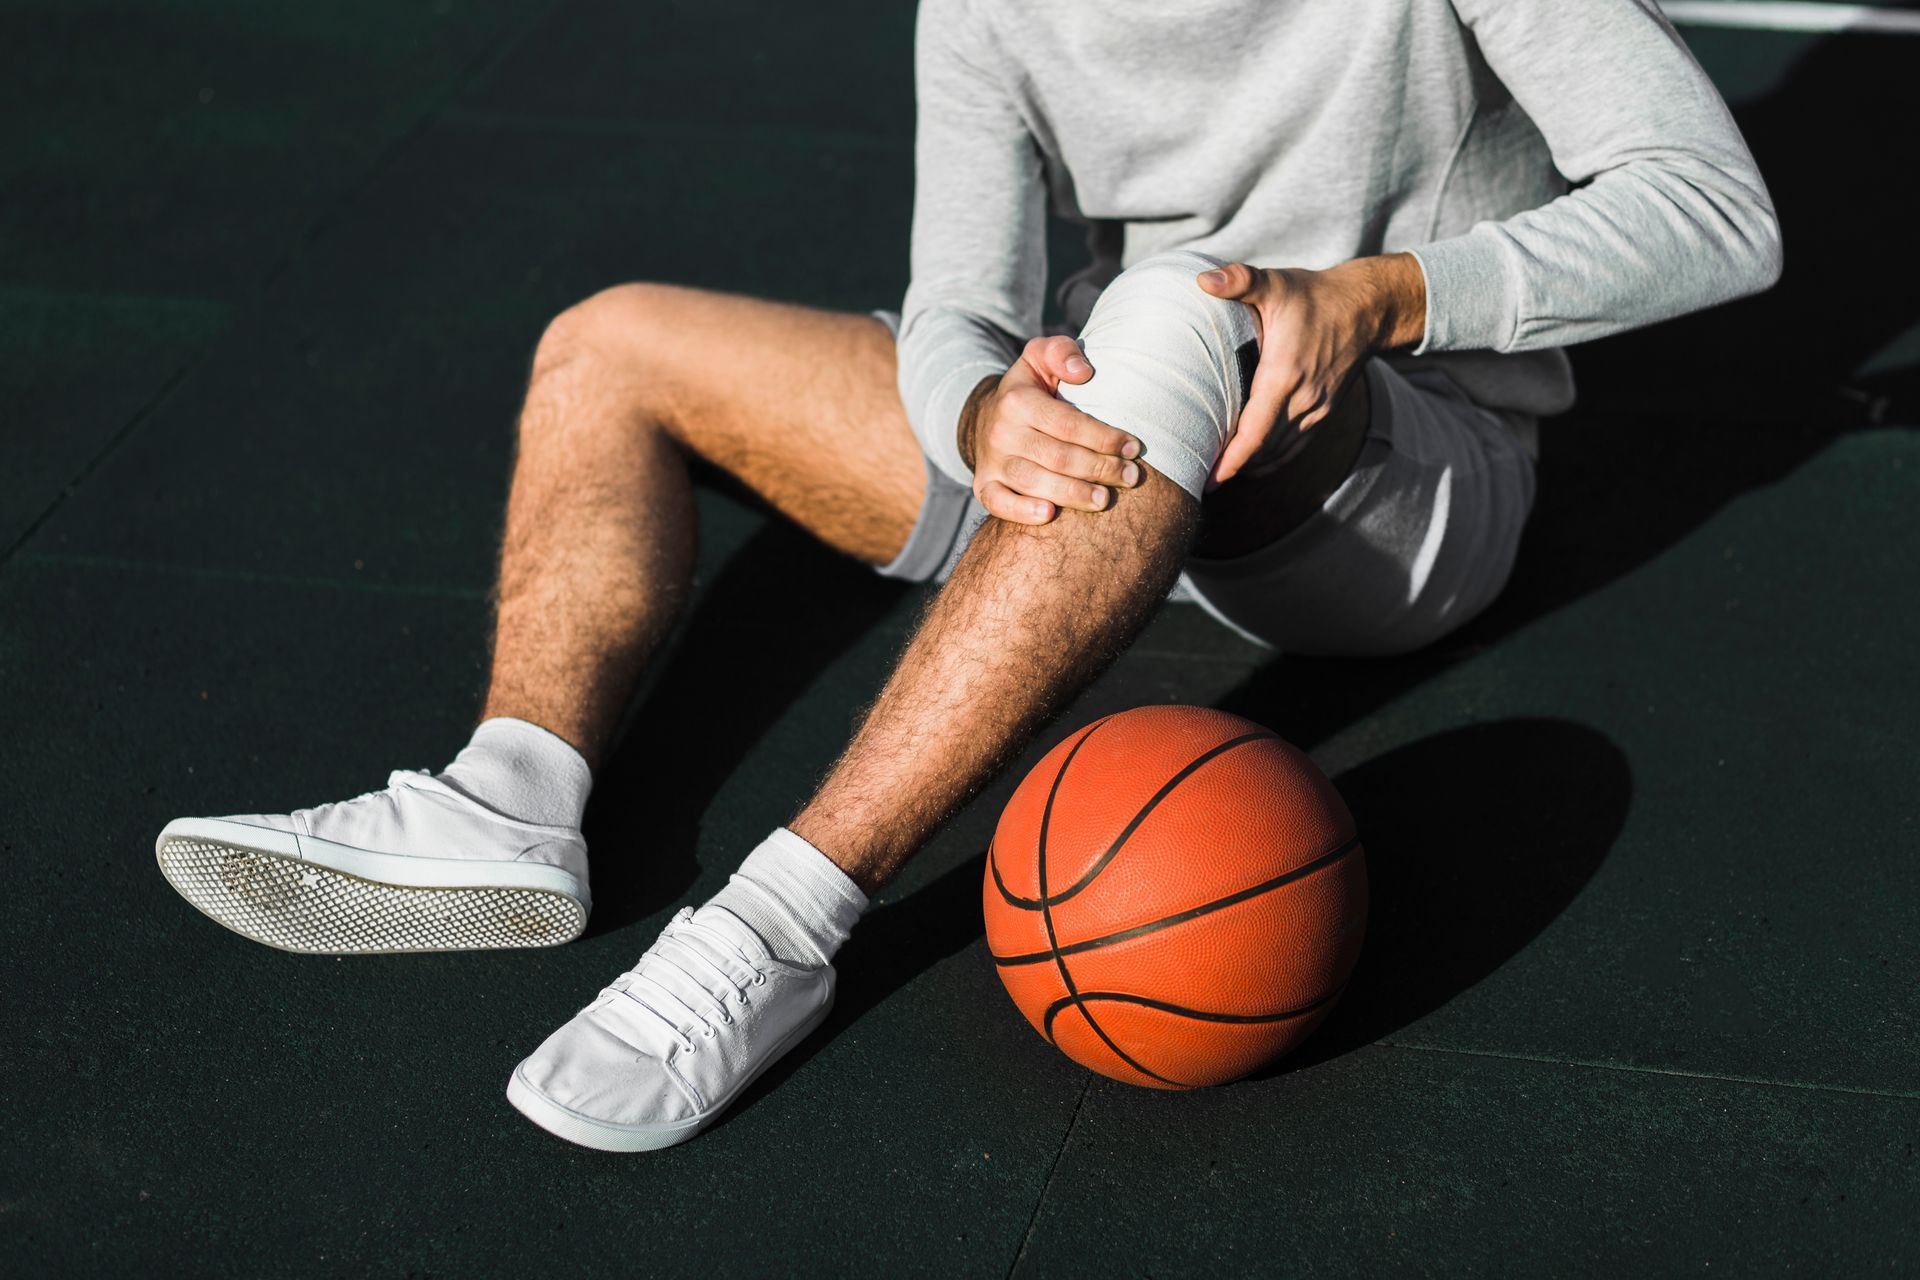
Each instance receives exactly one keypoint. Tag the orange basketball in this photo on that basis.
(1175, 897)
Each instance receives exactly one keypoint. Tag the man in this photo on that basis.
(1330, 451)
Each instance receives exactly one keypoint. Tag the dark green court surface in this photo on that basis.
(1640, 990)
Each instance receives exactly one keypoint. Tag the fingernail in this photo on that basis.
(1077, 367)
(1131, 474)
(1100, 498)
(1214, 278)
(1131, 449)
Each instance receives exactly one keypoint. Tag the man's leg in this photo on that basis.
(797, 403)
(1030, 616)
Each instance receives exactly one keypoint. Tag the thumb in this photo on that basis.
(1057, 359)
(1235, 280)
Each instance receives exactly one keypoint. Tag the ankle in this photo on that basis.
(868, 860)
(523, 771)
(797, 900)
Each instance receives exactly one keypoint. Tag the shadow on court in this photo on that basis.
(735, 668)
(1477, 839)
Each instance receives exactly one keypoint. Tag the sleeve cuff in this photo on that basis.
(940, 422)
(1472, 304)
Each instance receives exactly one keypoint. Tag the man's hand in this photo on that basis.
(1031, 452)
(1316, 329)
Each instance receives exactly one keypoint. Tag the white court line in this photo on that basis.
(1792, 15)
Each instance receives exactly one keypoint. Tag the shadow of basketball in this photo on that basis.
(1477, 839)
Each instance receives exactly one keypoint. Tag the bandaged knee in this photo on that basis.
(1171, 365)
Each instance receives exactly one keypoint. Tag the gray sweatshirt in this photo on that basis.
(1562, 169)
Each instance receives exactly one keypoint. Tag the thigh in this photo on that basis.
(1419, 539)
(800, 404)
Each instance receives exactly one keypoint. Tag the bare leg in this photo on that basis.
(798, 403)
(1031, 615)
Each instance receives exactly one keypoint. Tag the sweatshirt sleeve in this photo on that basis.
(1667, 215)
(979, 230)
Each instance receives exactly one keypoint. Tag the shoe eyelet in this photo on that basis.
(759, 979)
(740, 997)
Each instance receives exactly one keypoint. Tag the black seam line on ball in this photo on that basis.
(1165, 1006)
(1046, 913)
(993, 863)
(1205, 908)
(1126, 832)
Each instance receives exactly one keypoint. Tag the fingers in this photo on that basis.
(1032, 480)
(1266, 402)
(1008, 505)
(1038, 433)
(1073, 461)
(1239, 451)
(1057, 359)
(1064, 422)
(1039, 455)
(1235, 280)
(1270, 416)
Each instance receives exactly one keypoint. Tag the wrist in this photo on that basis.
(1393, 293)
(971, 413)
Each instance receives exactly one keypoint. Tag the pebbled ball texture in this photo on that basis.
(1175, 897)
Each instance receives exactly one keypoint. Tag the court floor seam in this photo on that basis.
(1033, 1219)
(114, 441)
(1718, 1077)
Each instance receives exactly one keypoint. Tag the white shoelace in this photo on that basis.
(659, 1007)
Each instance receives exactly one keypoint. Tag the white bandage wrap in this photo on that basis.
(1169, 364)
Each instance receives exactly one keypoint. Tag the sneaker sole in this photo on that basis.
(315, 897)
(564, 1122)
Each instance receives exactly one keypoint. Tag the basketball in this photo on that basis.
(1175, 897)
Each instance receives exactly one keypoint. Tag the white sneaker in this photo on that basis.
(416, 867)
(663, 1051)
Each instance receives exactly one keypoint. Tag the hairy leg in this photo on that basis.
(799, 403)
(1030, 616)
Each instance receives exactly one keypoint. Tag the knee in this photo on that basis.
(1172, 364)
(597, 348)
(614, 326)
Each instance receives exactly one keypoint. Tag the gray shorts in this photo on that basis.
(1418, 540)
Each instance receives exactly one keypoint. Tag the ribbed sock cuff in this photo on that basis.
(800, 903)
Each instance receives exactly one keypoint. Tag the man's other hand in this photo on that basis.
(1031, 452)
(1316, 330)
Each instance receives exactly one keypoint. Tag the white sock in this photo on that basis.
(521, 770)
(793, 896)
